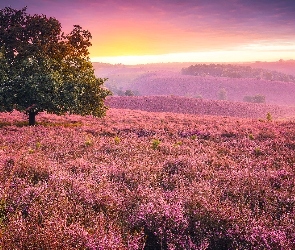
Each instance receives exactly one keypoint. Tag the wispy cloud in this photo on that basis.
(134, 27)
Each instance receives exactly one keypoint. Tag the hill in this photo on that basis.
(167, 79)
(236, 71)
(284, 66)
(144, 180)
(209, 87)
(176, 104)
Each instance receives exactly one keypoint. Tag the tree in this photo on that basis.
(128, 92)
(42, 69)
(222, 94)
(254, 99)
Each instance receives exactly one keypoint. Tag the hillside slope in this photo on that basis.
(200, 107)
(209, 87)
(166, 79)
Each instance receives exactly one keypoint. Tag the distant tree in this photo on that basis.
(42, 69)
(259, 99)
(129, 92)
(222, 94)
(235, 71)
(248, 98)
(120, 92)
(267, 75)
(254, 99)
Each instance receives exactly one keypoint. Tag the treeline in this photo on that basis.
(236, 71)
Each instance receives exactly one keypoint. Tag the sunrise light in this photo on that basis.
(132, 32)
(248, 53)
(147, 124)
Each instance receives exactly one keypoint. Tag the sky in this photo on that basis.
(147, 31)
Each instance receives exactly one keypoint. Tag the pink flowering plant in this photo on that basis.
(70, 183)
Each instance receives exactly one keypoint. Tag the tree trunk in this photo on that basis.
(32, 118)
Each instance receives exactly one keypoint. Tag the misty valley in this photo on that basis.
(260, 82)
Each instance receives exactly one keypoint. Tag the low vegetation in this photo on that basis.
(209, 87)
(254, 99)
(200, 106)
(143, 180)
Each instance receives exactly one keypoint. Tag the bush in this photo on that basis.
(222, 94)
(129, 92)
(254, 99)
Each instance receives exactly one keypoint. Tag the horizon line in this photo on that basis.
(233, 56)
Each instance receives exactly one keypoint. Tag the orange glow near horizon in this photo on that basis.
(208, 56)
(131, 32)
(145, 41)
(130, 45)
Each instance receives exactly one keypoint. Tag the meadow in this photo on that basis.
(147, 180)
(198, 106)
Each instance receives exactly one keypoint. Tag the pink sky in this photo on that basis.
(129, 31)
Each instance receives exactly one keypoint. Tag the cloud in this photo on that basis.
(165, 26)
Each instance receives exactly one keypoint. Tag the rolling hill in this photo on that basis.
(167, 79)
(185, 105)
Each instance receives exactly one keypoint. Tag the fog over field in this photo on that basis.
(275, 81)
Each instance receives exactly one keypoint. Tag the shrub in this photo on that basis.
(254, 99)
(222, 94)
(155, 144)
(268, 116)
(128, 92)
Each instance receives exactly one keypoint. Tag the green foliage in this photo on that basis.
(257, 151)
(41, 69)
(251, 137)
(269, 117)
(194, 137)
(88, 142)
(155, 144)
(178, 143)
(117, 140)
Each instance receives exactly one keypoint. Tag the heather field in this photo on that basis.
(197, 106)
(146, 180)
(208, 87)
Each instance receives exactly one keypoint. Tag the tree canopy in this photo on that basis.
(43, 69)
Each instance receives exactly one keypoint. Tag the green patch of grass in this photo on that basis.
(268, 117)
(251, 137)
(155, 144)
(117, 140)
